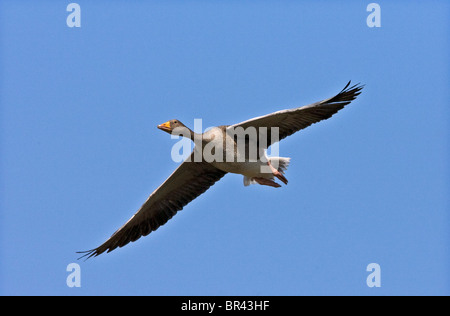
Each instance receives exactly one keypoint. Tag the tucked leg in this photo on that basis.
(277, 174)
(268, 182)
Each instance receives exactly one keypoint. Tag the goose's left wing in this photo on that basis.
(290, 121)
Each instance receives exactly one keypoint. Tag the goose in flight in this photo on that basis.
(218, 152)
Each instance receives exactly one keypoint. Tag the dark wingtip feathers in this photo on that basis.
(88, 254)
(349, 93)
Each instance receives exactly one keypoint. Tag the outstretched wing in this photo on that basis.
(187, 182)
(290, 121)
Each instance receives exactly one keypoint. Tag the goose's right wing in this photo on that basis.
(186, 183)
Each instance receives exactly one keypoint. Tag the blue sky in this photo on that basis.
(80, 151)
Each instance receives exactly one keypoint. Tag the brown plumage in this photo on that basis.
(192, 177)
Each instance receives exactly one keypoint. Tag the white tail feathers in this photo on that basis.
(248, 181)
(279, 163)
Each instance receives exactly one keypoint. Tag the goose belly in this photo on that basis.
(249, 169)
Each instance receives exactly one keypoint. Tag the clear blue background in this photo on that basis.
(80, 151)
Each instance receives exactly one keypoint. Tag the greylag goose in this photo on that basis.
(238, 148)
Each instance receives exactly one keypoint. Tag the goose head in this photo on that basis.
(175, 127)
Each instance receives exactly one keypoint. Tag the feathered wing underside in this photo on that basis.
(293, 120)
(187, 182)
(191, 179)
